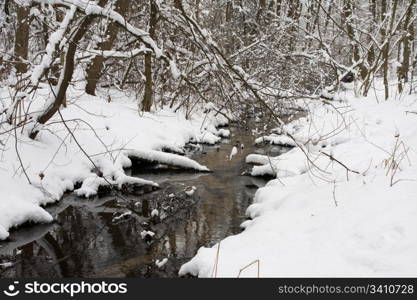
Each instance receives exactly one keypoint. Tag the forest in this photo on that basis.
(222, 138)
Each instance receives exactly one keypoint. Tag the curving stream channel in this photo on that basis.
(101, 237)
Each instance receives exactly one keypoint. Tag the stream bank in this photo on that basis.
(123, 236)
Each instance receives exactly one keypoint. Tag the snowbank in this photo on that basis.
(344, 204)
(19, 204)
(110, 133)
(274, 139)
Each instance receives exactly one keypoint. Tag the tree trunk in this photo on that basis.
(95, 68)
(385, 50)
(148, 94)
(279, 6)
(347, 14)
(22, 38)
(197, 10)
(229, 12)
(261, 9)
(371, 51)
(178, 4)
(406, 49)
(66, 75)
(294, 12)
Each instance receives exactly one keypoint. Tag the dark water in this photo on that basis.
(90, 239)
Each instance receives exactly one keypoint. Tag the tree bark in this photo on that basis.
(95, 68)
(385, 50)
(22, 39)
(261, 9)
(347, 14)
(294, 12)
(279, 6)
(371, 51)
(178, 4)
(148, 94)
(406, 49)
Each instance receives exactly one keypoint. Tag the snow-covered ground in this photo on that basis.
(109, 132)
(344, 203)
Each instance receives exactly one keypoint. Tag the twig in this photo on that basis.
(18, 155)
(216, 262)
(247, 266)
(334, 193)
(340, 163)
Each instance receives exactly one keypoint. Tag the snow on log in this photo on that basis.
(91, 184)
(281, 140)
(120, 54)
(91, 8)
(54, 41)
(167, 159)
(257, 159)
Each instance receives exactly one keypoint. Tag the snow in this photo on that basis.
(174, 70)
(147, 233)
(122, 216)
(273, 139)
(208, 138)
(224, 132)
(120, 54)
(233, 152)
(167, 158)
(54, 41)
(290, 164)
(325, 219)
(190, 191)
(6, 265)
(161, 263)
(257, 159)
(109, 133)
(19, 204)
(91, 8)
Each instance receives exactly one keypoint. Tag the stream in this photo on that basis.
(101, 236)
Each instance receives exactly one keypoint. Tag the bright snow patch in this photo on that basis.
(190, 191)
(233, 152)
(122, 216)
(321, 219)
(281, 140)
(167, 158)
(147, 233)
(161, 263)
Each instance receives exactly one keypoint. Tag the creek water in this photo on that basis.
(101, 237)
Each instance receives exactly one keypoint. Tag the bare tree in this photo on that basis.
(148, 94)
(407, 40)
(22, 39)
(95, 67)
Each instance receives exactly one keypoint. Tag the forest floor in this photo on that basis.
(343, 206)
